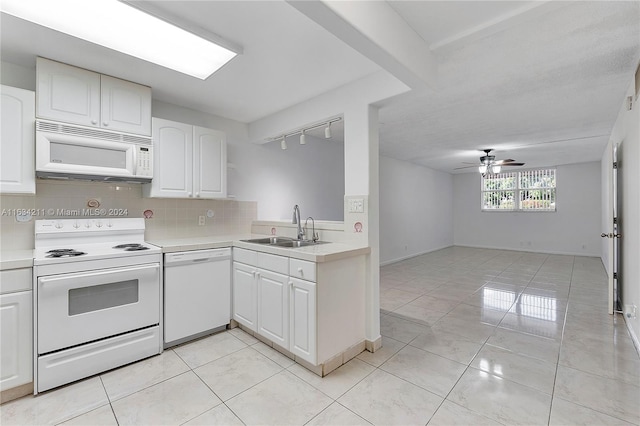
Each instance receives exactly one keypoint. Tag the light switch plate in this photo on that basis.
(356, 205)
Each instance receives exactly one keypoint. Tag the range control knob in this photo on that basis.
(59, 225)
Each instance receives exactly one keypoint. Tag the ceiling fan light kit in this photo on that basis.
(489, 164)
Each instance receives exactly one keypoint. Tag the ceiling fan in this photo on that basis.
(489, 164)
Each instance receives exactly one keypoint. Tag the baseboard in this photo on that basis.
(530, 250)
(632, 333)
(410, 256)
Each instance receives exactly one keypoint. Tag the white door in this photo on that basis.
(67, 93)
(244, 295)
(126, 106)
(17, 143)
(16, 339)
(613, 230)
(172, 156)
(209, 163)
(303, 320)
(81, 307)
(273, 307)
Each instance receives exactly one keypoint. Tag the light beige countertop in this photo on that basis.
(14, 259)
(326, 252)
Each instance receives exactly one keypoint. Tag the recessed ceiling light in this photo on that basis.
(118, 26)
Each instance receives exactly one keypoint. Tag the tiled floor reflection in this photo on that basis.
(470, 337)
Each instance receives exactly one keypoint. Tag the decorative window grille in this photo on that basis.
(529, 190)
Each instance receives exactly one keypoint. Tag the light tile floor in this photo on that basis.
(471, 337)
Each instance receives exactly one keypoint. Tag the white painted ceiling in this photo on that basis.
(541, 82)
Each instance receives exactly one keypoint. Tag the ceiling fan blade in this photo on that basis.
(513, 164)
(464, 167)
(499, 162)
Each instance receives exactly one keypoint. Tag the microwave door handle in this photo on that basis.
(135, 160)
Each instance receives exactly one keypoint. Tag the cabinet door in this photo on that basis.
(17, 143)
(172, 156)
(16, 339)
(273, 307)
(126, 106)
(244, 295)
(209, 163)
(303, 320)
(67, 93)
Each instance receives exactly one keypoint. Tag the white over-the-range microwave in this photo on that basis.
(66, 151)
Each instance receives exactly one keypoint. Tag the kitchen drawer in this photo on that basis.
(302, 269)
(273, 262)
(13, 280)
(249, 257)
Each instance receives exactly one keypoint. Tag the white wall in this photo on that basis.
(573, 229)
(310, 175)
(416, 210)
(626, 133)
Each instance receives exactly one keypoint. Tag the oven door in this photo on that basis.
(82, 307)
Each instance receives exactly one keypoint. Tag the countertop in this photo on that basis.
(326, 252)
(14, 259)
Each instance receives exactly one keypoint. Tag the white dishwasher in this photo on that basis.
(197, 293)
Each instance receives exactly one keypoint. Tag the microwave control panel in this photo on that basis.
(145, 161)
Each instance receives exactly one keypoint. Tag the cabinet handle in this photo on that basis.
(94, 121)
(290, 283)
(105, 124)
(257, 274)
(189, 194)
(198, 194)
(300, 270)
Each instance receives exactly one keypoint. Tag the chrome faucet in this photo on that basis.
(314, 236)
(296, 221)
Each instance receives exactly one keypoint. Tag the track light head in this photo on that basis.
(327, 131)
(303, 138)
(283, 144)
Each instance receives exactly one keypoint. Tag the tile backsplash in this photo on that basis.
(171, 217)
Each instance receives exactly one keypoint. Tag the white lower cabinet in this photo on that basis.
(273, 306)
(16, 320)
(244, 295)
(314, 310)
(277, 306)
(302, 320)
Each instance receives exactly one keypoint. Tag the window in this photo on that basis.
(529, 190)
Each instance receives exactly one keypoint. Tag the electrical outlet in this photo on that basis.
(201, 220)
(356, 205)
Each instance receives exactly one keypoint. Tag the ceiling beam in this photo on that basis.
(529, 11)
(378, 32)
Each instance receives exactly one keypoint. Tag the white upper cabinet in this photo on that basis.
(75, 95)
(189, 161)
(126, 106)
(172, 162)
(209, 163)
(17, 146)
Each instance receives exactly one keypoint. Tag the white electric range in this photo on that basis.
(97, 298)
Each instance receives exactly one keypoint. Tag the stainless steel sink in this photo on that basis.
(298, 243)
(269, 240)
(283, 242)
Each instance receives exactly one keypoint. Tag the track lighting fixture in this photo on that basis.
(303, 132)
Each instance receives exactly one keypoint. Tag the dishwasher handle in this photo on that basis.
(196, 256)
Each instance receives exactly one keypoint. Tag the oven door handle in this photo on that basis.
(55, 279)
